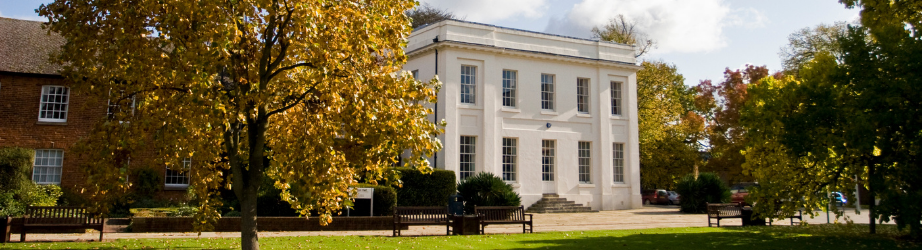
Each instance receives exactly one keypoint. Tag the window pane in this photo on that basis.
(467, 156)
(582, 95)
(585, 162)
(509, 86)
(48, 166)
(547, 92)
(509, 159)
(53, 104)
(615, 98)
(547, 160)
(468, 84)
(618, 162)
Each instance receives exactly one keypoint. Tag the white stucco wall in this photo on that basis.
(494, 49)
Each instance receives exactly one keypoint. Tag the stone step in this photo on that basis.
(552, 203)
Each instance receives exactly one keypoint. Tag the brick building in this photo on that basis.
(39, 111)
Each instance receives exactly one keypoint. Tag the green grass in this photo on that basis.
(750, 238)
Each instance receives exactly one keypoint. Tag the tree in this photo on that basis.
(425, 14)
(621, 30)
(667, 126)
(306, 93)
(806, 43)
(721, 104)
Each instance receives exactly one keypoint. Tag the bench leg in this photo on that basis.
(100, 235)
(22, 234)
(718, 221)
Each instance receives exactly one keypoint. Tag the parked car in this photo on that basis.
(655, 196)
(739, 192)
(673, 198)
(839, 199)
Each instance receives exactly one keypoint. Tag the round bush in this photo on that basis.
(486, 189)
(696, 193)
(421, 189)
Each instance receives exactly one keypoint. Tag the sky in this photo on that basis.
(701, 37)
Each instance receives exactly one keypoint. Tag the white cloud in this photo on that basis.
(676, 25)
(490, 11)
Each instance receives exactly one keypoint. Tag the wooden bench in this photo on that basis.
(59, 218)
(723, 211)
(799, 217)
(418, 216)
(503, 215)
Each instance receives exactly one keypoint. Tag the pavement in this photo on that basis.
(643, 218)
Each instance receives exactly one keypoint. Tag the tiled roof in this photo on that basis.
(25, 47)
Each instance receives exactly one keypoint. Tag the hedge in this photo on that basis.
(425, 189)
(385, 199)
(696, 193)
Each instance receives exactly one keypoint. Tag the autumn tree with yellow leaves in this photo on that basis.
(306, 93)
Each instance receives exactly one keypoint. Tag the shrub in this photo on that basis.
(420, 189)
(385, 199)
(148, 183)
(17, 191)
(708, 188)
(486, 189)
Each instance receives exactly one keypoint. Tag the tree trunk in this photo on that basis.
(872, 199)
(249, 240)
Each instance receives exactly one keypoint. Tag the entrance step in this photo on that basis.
(552, 203)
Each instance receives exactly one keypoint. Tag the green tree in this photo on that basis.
(806, 43)
(621, 30)
(668, 129)
(721, 104)
(425, 14)
(307, 93)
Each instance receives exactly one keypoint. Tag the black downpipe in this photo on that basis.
(436, 40)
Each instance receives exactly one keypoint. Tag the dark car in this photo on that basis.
(739, 192)
(655, 196)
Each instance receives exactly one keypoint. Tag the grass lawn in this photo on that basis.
(749, 238)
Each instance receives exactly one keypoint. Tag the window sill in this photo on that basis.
(548, 112)
(51, 123)
(169, 187)
(586, 185)
(511, 110)
(583, 115)
(468, 106)
(620, 185)
(514, 184)
(618, 117)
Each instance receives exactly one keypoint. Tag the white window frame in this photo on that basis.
(548, 159)
(48, 163)
(510, 80)
(509, 158)
(617, 162)
(178, 178)
(584, 156)
(43, 101)
(547, 92)
(582, 95)
(112, 108)
(616, 98)
(468, 84)
(468, 157)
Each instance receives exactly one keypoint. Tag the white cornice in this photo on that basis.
(521, 53)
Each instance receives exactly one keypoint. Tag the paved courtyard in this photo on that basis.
(647, 217)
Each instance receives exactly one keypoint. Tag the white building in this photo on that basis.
(548, 113)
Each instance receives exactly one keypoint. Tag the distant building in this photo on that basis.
(549, 114)
(39, 111)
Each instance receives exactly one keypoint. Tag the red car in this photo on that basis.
(654, 196)
(739, 192)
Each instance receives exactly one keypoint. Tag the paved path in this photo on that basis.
(647, 217)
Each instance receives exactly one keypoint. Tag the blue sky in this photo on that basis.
(701, 37)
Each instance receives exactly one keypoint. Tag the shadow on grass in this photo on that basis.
(746, 238)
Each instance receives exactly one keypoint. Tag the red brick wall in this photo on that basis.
(19, 125)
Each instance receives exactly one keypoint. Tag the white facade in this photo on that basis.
(487, 51)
